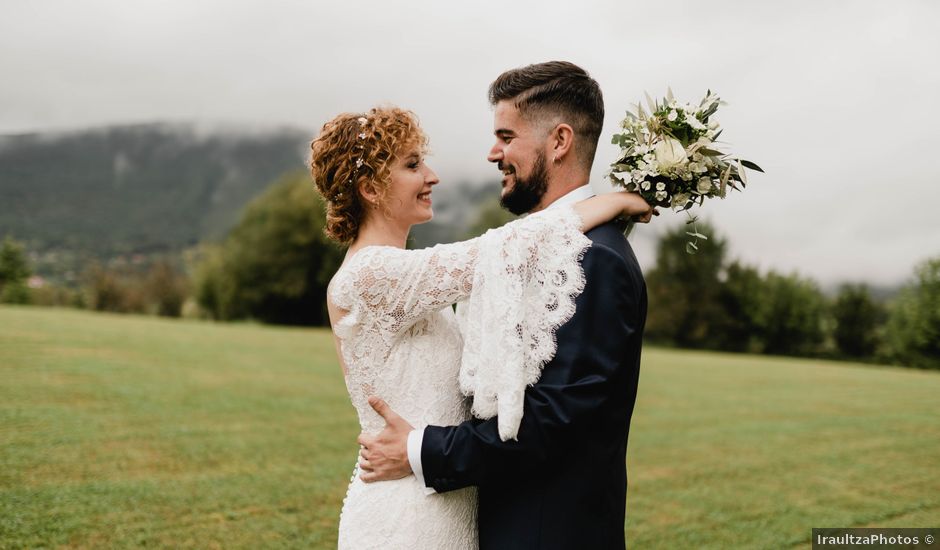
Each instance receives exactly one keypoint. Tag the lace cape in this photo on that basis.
(515, 286)
(524, 288)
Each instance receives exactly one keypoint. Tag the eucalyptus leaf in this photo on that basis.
(740, 173)
(752, 166)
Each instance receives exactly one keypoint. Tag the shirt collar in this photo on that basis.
(573, 196)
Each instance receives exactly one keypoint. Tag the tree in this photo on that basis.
(275, 265)
(684, 289)
(857, 317)
(14, 273)
(165, 289)
(741, 297)
(108, 289)
(913, 330)
(489, 216)
(793, 315)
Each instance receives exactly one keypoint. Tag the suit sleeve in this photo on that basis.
(571, 394)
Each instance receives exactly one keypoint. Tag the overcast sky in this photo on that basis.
(837, 101)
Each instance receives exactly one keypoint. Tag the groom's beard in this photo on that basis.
(526, 193)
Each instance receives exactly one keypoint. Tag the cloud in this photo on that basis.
(834, 100)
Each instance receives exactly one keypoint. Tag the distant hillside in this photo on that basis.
(136, 189)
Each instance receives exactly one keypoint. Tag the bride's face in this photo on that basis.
(409, 197)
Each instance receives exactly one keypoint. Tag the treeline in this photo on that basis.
(158, 287)
(276, 263)
(707, 301)
(273, 266)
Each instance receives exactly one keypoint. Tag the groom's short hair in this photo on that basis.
(556, 92)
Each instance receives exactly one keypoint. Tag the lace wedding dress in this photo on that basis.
(401, 340)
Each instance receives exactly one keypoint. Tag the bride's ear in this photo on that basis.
(368, 193)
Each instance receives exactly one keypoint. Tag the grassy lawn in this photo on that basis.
(123, 431)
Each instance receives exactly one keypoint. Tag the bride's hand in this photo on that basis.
(635, 207)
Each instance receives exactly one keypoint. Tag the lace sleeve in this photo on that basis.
(396, 286)
(524, 287)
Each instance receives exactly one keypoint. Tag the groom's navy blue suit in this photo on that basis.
(563, 484)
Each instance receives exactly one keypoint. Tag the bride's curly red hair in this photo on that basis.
(386, 133)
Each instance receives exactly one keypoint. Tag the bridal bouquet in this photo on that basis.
(671, 157)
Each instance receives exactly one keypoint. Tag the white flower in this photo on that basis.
(638, 176)
(641, 149)
(698, 157)
(661, 195)
(669, 153)
(697, 167)
(645, 185)
(693, 122)
(704, 185)
(672, 115)
(660, 186)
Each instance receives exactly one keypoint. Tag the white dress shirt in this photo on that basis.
(416, 437)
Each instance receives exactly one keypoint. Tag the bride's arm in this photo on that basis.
(403, 285)
(600, 209)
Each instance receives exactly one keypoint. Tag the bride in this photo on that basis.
(395, 332)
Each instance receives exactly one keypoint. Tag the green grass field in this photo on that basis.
(123, 431)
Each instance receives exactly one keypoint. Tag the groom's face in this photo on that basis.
(518, 153)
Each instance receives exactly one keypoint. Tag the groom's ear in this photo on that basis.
(562, 140)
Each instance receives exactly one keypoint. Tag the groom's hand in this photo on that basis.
(385, 456)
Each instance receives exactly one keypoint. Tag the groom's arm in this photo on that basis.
(591, 351)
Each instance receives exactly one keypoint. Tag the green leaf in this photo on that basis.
(752, 166)
(697, 235)
(690, 248)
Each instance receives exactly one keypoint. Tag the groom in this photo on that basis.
(563, 483)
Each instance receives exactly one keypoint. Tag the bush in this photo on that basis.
(794, 313)
(165, 289)
(14, 273)
(913, 331)
(275, 265)
(683, 289)
(743, 310)
(857, 319)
